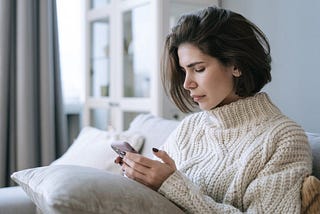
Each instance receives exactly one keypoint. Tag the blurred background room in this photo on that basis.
(67, 64)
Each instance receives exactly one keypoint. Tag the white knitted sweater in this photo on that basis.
(242, 157)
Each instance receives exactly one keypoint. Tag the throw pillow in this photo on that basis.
(58, 189)
(92, 148)
(155, 130)
(314, 141)
(310, 195)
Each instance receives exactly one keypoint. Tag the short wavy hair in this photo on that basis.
(225, 35)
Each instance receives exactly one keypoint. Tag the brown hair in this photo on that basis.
(225, 35)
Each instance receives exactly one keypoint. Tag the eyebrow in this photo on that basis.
(193, 64)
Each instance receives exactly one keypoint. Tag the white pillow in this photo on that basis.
(92, 148)
(58, 189)
(155, 130)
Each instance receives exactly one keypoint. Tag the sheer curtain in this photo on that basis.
(32, 125)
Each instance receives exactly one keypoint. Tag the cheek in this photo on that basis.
(229, 82)
(219, 83)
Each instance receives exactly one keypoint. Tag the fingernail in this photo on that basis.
(155, 149)
(123, 153)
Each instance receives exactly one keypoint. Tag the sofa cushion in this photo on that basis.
(76, 189)
(92, 148)
(154, 129)
(314, 141)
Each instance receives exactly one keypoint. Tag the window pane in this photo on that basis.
(98, 3)
(178, 8)
(136, 49)
(99, 63)
(72, 48)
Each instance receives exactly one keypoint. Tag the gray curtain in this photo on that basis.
(32, 123)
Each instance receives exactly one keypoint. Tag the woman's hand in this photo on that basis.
(151, 173)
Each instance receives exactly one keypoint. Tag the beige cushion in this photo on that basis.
(314, 141)
(310, 196)
(92, 148)
(68, 189)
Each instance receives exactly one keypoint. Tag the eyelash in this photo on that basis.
(196, 70)
(199, 70)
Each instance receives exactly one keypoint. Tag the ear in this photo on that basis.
(236, 72)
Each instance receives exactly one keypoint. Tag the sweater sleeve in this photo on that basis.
(274, 189)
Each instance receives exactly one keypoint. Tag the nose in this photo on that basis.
(189, 82)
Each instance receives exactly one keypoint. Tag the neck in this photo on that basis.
(249, 110)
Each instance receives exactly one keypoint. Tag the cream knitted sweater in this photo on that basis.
(241, 157)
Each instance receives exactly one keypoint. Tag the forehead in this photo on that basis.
(189, 54)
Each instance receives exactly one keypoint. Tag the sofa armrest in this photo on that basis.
(14, 200)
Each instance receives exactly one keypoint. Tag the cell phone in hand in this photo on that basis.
(121, 147)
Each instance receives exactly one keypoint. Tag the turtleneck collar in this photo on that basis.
(243, 111)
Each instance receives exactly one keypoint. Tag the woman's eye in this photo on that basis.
(199, 69)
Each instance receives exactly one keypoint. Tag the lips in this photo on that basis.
(196, 98)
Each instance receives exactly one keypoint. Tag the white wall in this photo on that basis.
(293, 29)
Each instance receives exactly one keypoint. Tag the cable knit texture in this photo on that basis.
(242, 157)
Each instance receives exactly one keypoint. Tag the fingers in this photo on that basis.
(135, 161)
(134, 175)
(136, 166)
(137, 158)
(164, 157)
(149, 172)
(132, 172)
(118, 160)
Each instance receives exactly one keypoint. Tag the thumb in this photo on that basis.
(164, 157)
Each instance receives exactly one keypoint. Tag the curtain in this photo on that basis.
(32, 122)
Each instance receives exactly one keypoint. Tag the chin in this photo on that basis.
(210, 107)
(206, 108)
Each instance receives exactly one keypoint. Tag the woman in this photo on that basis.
(240, 153)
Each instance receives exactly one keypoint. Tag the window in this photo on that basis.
(71, 24)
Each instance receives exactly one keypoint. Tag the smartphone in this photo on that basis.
(121, 147)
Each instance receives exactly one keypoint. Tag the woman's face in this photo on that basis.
(209, 82)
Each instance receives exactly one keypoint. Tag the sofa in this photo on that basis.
(86, 180)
